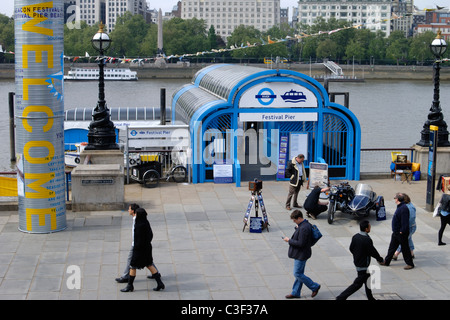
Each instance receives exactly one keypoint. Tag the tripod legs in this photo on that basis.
(256, 198)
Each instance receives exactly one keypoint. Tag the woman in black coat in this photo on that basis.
(444, 213)
(142, 251)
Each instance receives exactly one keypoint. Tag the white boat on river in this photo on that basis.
(92, 73)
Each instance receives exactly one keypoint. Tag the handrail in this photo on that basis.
(333, 67)
(378, 160)
(386, 149)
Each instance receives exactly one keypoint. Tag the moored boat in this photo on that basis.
(92, 73)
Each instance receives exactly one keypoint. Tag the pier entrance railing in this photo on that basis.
(374, 162)
(377, 161)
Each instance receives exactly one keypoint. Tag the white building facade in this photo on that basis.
(107, 11)
(117, 8)
(226, 15)
(90, 11)
(374, 14)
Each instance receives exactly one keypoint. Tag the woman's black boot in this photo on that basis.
(129, 286)
(161, 285)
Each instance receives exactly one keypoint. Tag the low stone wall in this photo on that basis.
(179, 71)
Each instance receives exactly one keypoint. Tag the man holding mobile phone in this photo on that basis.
(300, 250)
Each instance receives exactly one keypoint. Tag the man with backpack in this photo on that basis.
(300, 250)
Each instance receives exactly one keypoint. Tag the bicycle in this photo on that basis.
(150, 173)
(177, 173)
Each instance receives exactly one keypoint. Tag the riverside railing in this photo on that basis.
(377, 161)
(374, 162)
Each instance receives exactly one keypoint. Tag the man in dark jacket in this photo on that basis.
(300, 250)
(362, 249)
(313, 205)
(296, 173)
(400, 232)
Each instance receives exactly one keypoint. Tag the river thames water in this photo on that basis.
(391, 113)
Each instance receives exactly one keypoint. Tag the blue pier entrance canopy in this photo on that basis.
(249, 122)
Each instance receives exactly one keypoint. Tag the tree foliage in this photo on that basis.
(134, 37)
(419, 48)
(78, 41)
(6, 36)
(128, 34)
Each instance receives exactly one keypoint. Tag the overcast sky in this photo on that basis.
(7, 6)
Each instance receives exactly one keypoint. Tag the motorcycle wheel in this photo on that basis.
(331, 212)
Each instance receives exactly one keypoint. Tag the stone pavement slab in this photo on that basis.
(203, 254)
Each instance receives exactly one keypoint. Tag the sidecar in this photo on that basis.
(365, 200)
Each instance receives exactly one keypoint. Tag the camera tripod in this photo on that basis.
(257, 199)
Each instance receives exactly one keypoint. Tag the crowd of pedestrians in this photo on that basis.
(361, 246)
(301, 242)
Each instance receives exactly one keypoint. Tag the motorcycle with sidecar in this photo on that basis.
(357, 202)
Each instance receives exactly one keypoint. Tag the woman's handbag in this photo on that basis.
(437, 210)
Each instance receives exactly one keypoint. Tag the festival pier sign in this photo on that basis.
(39, 115)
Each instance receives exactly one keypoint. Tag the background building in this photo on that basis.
(294, 16)
(116, 8)
(225, 16)
(284, 15)
(90, 11)
(434, 21)
(375, 14)
(94, 11)
(403, 9)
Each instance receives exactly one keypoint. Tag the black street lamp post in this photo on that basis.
(435, 117)
(102, 133)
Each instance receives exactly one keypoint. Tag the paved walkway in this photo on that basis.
(202, 252)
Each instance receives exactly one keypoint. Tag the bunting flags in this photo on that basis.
(270, 41)
(4, 51)
(435, 9)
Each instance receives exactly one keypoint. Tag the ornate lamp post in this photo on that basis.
(435, 117)
(102, 134)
